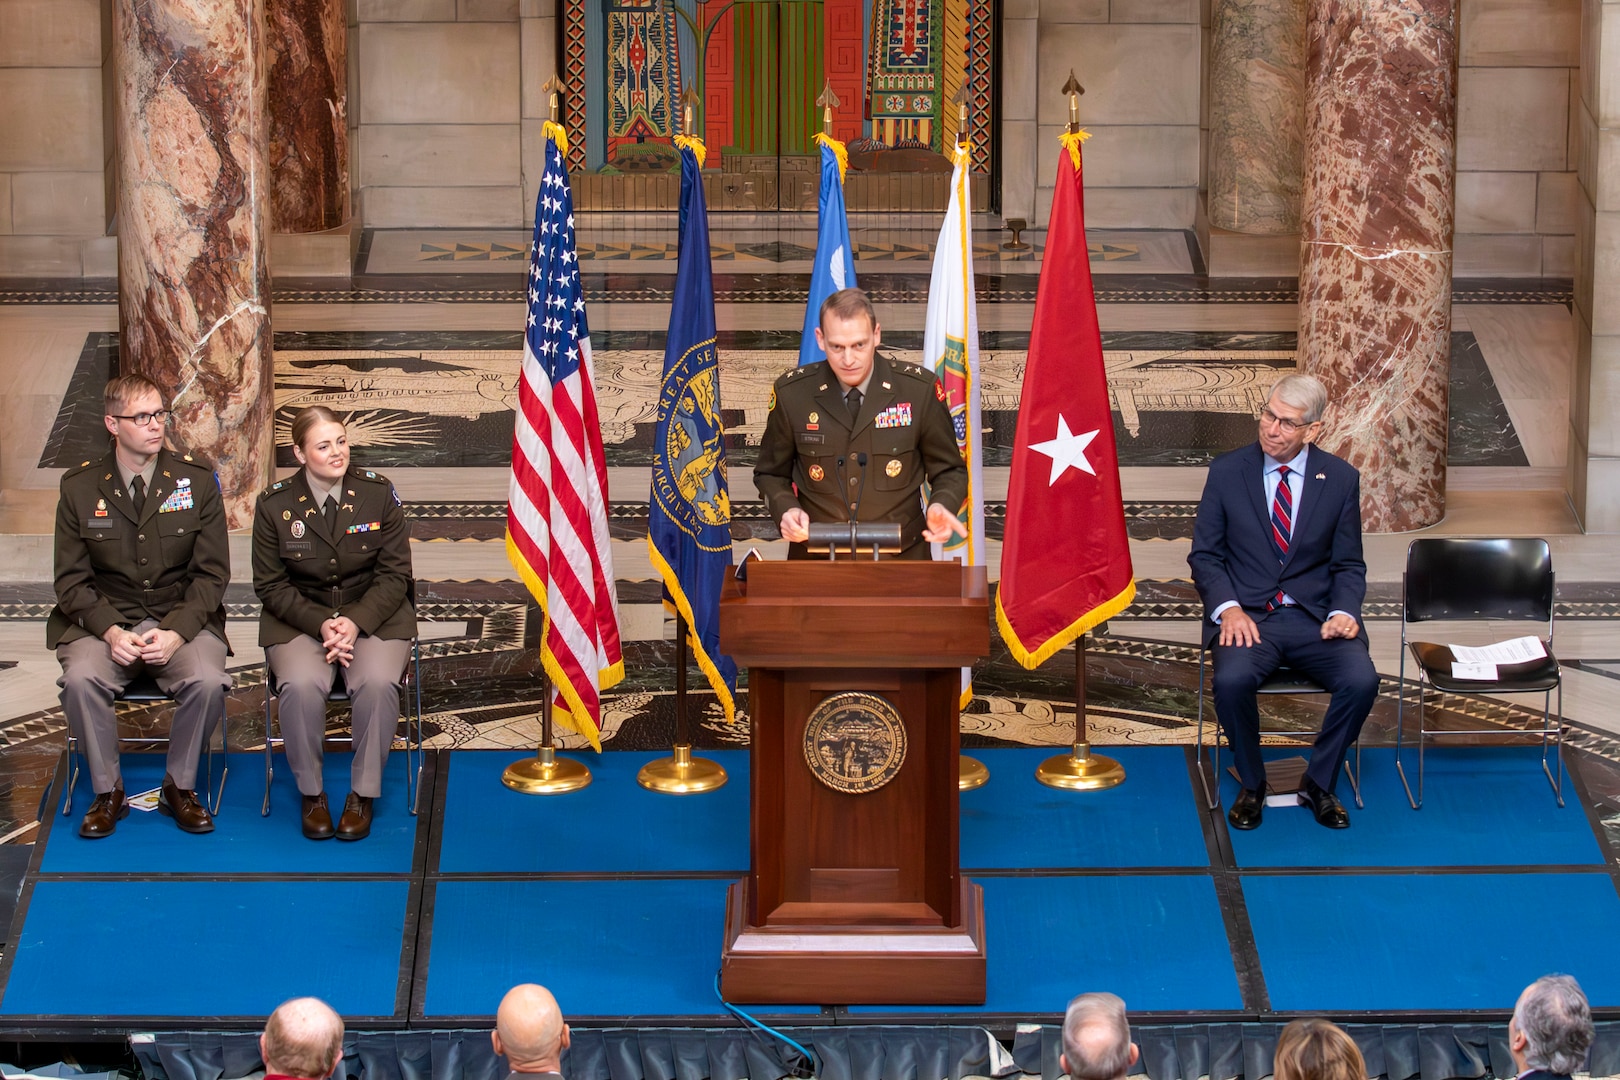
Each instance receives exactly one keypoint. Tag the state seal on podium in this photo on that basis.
(854, 742)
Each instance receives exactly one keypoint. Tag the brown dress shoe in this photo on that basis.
(317, 818)
(355, 824)
(108, 809)
(191, 815)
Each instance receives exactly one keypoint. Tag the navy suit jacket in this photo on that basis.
(1232, 557)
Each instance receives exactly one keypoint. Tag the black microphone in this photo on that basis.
(855, 503)
(849, 509)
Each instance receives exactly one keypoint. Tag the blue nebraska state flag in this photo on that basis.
(834, 267)
(689, 518)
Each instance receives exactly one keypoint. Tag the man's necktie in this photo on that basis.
(1282, 524)
(137, 494)
(329, 512)
(853, 399)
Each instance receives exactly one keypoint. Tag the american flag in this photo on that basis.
(556, 513)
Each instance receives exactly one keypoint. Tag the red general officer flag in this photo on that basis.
(1066, 559)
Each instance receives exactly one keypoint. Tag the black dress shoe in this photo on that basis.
(1325, 805)
(317, 818)
(108, 809)
(182, 805)
(1247, 808)
(355, 824)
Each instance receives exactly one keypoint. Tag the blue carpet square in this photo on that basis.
(1483, 806)
(605, 948)
(113, 949)
(1158, 941)
(1152, 819)
(613, 825)
(1437, 942)
(243, 841)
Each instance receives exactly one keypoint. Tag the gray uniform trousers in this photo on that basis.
(195, 677)
(305, 678)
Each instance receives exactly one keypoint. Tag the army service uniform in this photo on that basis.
(165, 566)
(306, 572)
(903, 428)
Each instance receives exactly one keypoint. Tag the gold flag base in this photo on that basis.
(546, 774)
(682, 774)
(971, 773)
(1080, 770)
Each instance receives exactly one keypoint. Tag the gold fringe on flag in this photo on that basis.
(1071, 141)
(556, 133)
(840, 151)
(694, 144)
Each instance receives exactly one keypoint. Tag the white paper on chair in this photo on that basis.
(1519, 650)
(1467, 669)
(146, 800)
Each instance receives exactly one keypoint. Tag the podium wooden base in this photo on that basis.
(853, 965)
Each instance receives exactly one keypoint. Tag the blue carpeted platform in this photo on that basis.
(612, 826)
(1015, 821)
(243, 841)
(608, 948)
(1483, 806)
(191, 949)
(1158, 941)
(1431, 942)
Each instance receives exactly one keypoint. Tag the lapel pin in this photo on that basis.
(348, 506)
(886, 386)
(286, 515)
(303, 498)
(107, 477)
(351, 494)
(823, 386)
(1321, 476)
(165, 472)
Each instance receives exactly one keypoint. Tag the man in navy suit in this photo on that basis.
(1551, 1029)
(1276, 557)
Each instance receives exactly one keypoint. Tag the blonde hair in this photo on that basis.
(1317, 1049)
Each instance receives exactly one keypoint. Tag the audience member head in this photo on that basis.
(321, 443)
(136, 415)
(1551, 1026)
(1316, 1049)
(529, 1030)
(1292, 416)
(1097, 1039)
(127, 390)
(302, 1038)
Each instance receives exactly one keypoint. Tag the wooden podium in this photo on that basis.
(854, 895)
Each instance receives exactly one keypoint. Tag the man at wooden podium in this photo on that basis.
(856, 436)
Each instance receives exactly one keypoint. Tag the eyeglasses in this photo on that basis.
(1290, 426)
(141, 419)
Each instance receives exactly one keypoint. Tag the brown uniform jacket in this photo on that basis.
(904, 429)
(361, 568)
(171, 563)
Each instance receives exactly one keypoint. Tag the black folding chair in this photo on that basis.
(1463, 579)
(1285, 680)
(144, 690)
(410, 687)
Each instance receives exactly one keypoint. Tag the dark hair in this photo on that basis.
(307, 418)
(127, 388)
(846, 304)
(1317, 1049)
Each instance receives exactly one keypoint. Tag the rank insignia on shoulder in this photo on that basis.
(83, 464)
(185, 457)
(369, 476)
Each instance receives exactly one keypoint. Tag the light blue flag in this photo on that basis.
(835, 258)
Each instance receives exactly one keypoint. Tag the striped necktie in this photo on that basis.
(1282, 525)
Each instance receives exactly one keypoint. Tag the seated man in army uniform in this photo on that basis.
(142, 561)
(856, 436)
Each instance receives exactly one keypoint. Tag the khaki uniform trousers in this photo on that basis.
(194, 676)
(372, 678)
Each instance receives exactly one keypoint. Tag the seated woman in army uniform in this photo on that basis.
(332, 567)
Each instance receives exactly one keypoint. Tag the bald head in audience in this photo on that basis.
(1097, 1039)
(529, 1030)
(303, 1038)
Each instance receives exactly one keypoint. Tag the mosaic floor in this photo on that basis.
(423, 349)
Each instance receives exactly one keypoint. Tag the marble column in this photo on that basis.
(193, 207)
(1375, 266)
(1256, 115)
(308, 45)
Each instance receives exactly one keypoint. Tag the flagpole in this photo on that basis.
(546, 773)
(681, 774)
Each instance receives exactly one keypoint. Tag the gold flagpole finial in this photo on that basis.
(828, 102)
(960, 100)
(553, 87)
(690, 100)
(1074, 90)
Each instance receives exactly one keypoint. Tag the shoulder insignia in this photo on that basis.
(771, 404)
(370, 475)
(939, 390)
(84, 464)
(185, 457)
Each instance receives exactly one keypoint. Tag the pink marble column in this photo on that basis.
(309, 127)
(193, 207)
(1375, 269)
